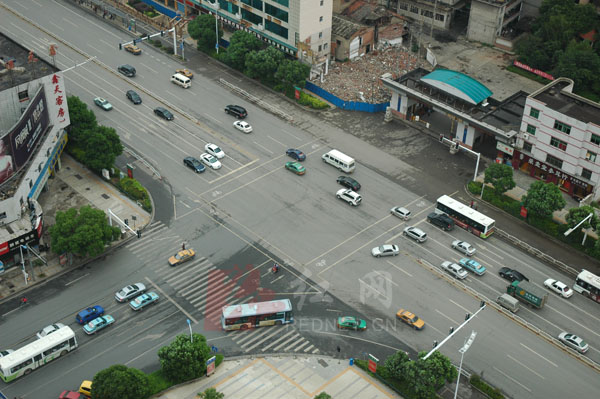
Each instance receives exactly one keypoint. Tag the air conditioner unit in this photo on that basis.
(525, 136)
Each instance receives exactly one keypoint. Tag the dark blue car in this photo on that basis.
(194, 164)
(296, 154)
(89, 314)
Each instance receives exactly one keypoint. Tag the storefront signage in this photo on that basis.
(553, 171)
(500, 146)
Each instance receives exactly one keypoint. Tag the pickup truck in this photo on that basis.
(528, 293)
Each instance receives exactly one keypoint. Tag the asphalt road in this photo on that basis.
(252, 211)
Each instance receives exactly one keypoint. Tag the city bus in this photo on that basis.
(588, 284)
(257, 314)
(466, 217)
(36, 354)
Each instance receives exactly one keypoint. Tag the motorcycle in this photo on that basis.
(275, 268)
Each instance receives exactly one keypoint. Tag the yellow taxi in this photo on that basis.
(181, 257)
(133, 49)
(411, 319)
(185, 72)
(86, 388)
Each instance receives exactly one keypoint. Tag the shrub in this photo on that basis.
(493, 393)
(313, 102)
(474, 187)
(133, 188)
(547, 225)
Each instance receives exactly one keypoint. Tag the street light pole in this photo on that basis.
(190, 326)
(579, 224)
(216, 6)
(462, 351)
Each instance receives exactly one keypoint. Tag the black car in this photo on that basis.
(349, 183)
(511, 274)
(133, 97)
(194, 164)
(441, 220)
(163, 113)
(127, 70)
(237, 111)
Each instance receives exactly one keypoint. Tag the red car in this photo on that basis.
(71, 395)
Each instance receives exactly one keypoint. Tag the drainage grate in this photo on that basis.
(323, 363)
(105, 196)
(79, 177)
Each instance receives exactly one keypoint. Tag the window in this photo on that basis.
(325, 46)
(23, 96)
(403, 6)
(531, 129)
(534, 112)
(338, 42)
(590, 156)
(562, 127)
(414, 9)
(595, 139)
(321, 18)
(558, 143)
(285, 3)
(252, 17)
(321, 3)
(527, 146)
(254, 3)
(276, 12)
(439, 17)
(554, 161)
(320, 35)
(276, 29)
(427, 13)
(320, 48)
(586, 174)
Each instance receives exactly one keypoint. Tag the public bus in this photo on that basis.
(466, 217)
(588, 284)
(36, 354)
(257, 314)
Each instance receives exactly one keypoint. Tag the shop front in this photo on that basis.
(574, 186)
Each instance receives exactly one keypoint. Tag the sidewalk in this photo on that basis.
(290, 377)
(73, 186)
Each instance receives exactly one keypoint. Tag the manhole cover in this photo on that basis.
(79, 177)
(105, 196)
(323, 363)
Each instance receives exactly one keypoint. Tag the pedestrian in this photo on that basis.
(24, 300)
(183, 246)
(471, 203)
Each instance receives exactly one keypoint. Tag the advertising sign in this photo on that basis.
(29, 130)
(373, 363)
(210, 365)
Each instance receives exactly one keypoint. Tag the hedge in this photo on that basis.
(493, 393)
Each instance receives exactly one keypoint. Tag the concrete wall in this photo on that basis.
(484, 22)
(307, 20)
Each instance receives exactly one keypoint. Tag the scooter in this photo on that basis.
(275, 268)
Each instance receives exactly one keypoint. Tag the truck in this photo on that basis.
(528, 293)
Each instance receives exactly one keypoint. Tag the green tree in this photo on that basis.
(100, 147)
(82, 233)
(82, 120)
(500, 176)
(263, 64)
(292, 73)
(323, 395)
(183, 360)
(427, 376)
(397, 364)
(240, 45)
(202, 29)
(576, 215)
(120, 382)
(543, 198)
(580, 63)
(211, 393)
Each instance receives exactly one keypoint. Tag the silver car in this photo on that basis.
(463, 247)
(415, 233)
(454, 269)
(130, 292)
(574, 342)
(385, 250)
(50, 329)
(400, 212)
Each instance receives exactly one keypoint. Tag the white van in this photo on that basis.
(181, 80)
(340, 160)
(508, 302)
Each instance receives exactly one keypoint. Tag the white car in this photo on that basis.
(49, 329)
(214, 150)
(243, 126)
(351, 197)
(463, 247)
(130, 292)
(573, 341)
(210, 161)
(454, 269)
(401, 212)
(385, 250)
(559, 287)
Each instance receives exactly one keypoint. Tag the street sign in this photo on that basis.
(210, 365)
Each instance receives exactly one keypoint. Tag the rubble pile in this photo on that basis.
(358, 80)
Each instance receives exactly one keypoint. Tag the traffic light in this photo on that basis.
(126, 222)
(162, 33)
(120, 46)
(482, 304)
(451, 330)
(467, 316)
(435, 343)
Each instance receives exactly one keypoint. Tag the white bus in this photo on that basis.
(466, 217)
(257, 314)
(588, 284)
(43, 350)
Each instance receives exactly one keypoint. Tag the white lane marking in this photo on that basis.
(189, 316)
(290, 134)
(447, 317)
(535, 353)
(512, 379)
(77, 279)
(399, 269)
(528, 368)
(263, 147)
(156, 72)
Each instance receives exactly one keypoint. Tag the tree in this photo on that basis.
(292, 73)
(202, 29)
(580, 63)
(100, 147)
(183, 360)
(211, 393)
(543, 198)
(323, 395)
(263, 64)
(576, 215)
(500, 176)
(240, 45)
(120, 382)
(82, 233)
(82, 120)
(397, 364)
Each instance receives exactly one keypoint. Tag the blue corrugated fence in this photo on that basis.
(348, 105)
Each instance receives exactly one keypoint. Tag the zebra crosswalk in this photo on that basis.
(207, 289)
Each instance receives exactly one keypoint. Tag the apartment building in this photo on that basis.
(559, 139)
(301, 28)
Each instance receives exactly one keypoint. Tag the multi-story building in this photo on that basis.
(301, 28)
(559, 139)
(33, 118)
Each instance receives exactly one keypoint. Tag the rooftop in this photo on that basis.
(344, 27)
(558, 96)
(458, 84)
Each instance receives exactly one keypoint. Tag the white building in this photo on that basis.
(559, 139)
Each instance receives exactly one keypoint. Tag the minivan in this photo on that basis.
(127, 70)
(508, 302)
(181, 80)
(340, 160)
